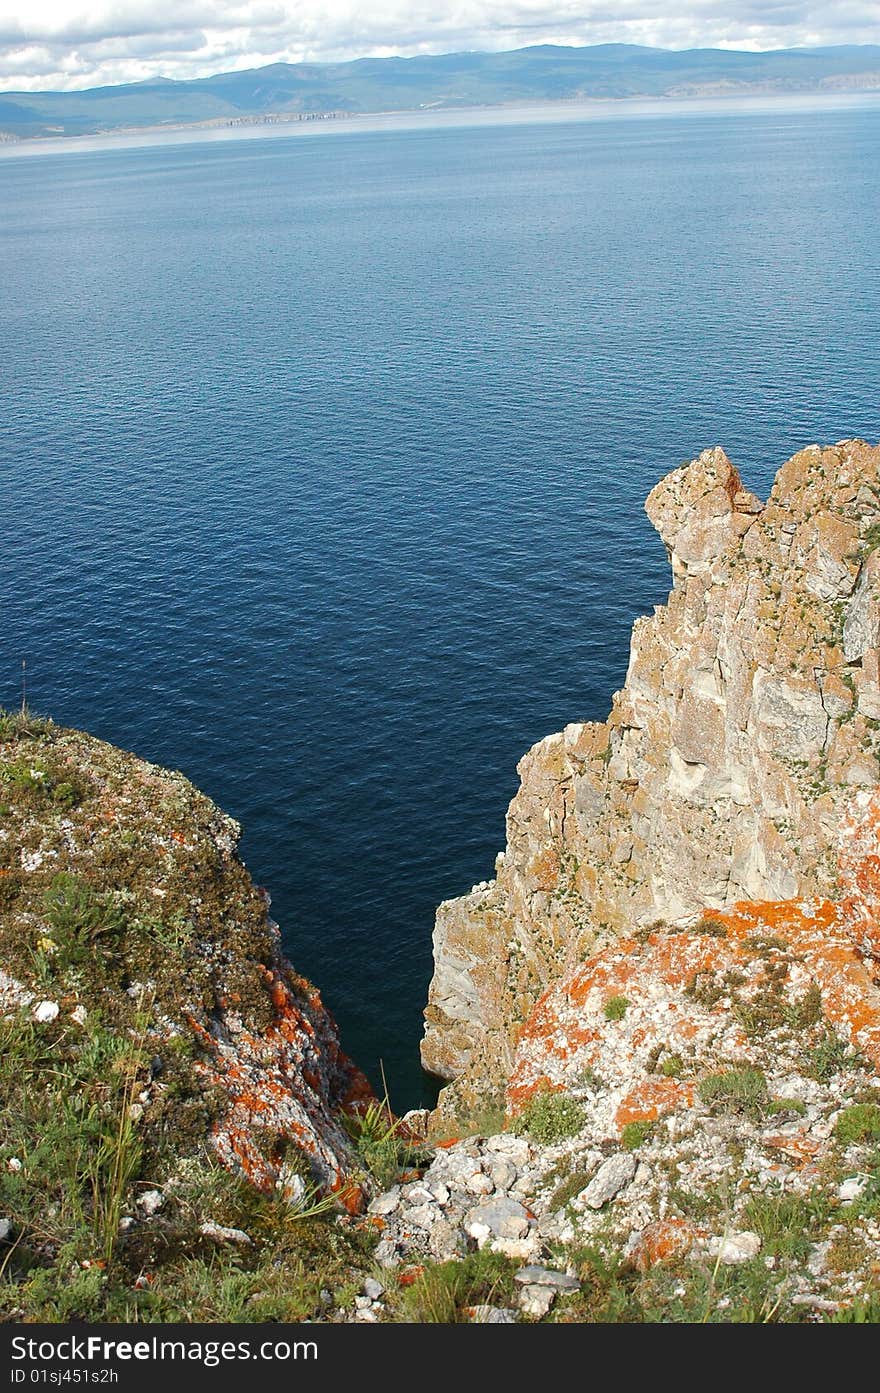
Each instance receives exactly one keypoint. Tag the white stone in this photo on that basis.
(852, 1188)
(373, 1289)
(151, 1202)
(503, 1173)
(534, 1276)
(518, 1249)
(222, 1234)
(516, 1149)
(14, 1164)
(611, 1177)
(492, 1315)
(416, 1193)
(5, 1230)
(480, 1232)
(46, 1011)
(536, 1301)
(422, 1215)
(386, 1203)
(502, 1217)
(732, 1248)
(479, 1184)
(79, 1014)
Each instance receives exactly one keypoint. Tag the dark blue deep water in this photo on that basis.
(323, 463)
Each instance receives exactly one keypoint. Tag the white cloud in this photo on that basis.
(79, 43)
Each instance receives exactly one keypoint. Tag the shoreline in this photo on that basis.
(561, 111)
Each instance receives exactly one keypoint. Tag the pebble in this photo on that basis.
(386, 1253)
(423, 1215)
(536, 1301)
(387, 1203)
(492, 1315)
(373, 1289)
(151, 1202)
(480, 1184)
(611, 1177)
(518, 1249)
(5, 1229)
(416, 1193)
(46, 1011)
(502, 1217)
(853, 1188)
(546, 1277)
(503, 1172)
(221, 1233)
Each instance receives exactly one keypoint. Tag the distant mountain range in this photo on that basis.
(545, 73)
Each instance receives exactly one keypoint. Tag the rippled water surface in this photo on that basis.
(323, 463)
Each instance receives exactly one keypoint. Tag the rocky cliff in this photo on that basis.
(737, 751)
(126, 916)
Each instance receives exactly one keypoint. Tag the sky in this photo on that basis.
(63, 44)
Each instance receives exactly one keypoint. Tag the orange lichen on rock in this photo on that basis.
(651, 1098)
(286, 1087)
(709, 989)
(663, 1241)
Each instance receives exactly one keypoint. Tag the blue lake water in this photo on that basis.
(323, 461)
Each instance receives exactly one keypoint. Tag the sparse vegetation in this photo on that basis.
(442, 1292)
(736, 1090)
(550, 1117)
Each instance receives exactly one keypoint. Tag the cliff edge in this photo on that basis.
(129, 928)
(738, 749)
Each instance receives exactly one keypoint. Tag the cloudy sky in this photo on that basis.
(80, 43)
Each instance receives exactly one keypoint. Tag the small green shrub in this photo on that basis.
(81, 919)
(742, 1090)
(376, 1135)
(550, 1117)
(615, 1008)
(671, 1066)
(24, 724)
(861, 1122)
(830, 1056)
(635, 1134)
(567, 1189)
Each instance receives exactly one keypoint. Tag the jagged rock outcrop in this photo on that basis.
(126, 915)
(746, 728)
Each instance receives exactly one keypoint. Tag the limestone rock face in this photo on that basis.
(126, 913)
(746, 727)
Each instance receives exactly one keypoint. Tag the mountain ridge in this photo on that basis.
(547, 72)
